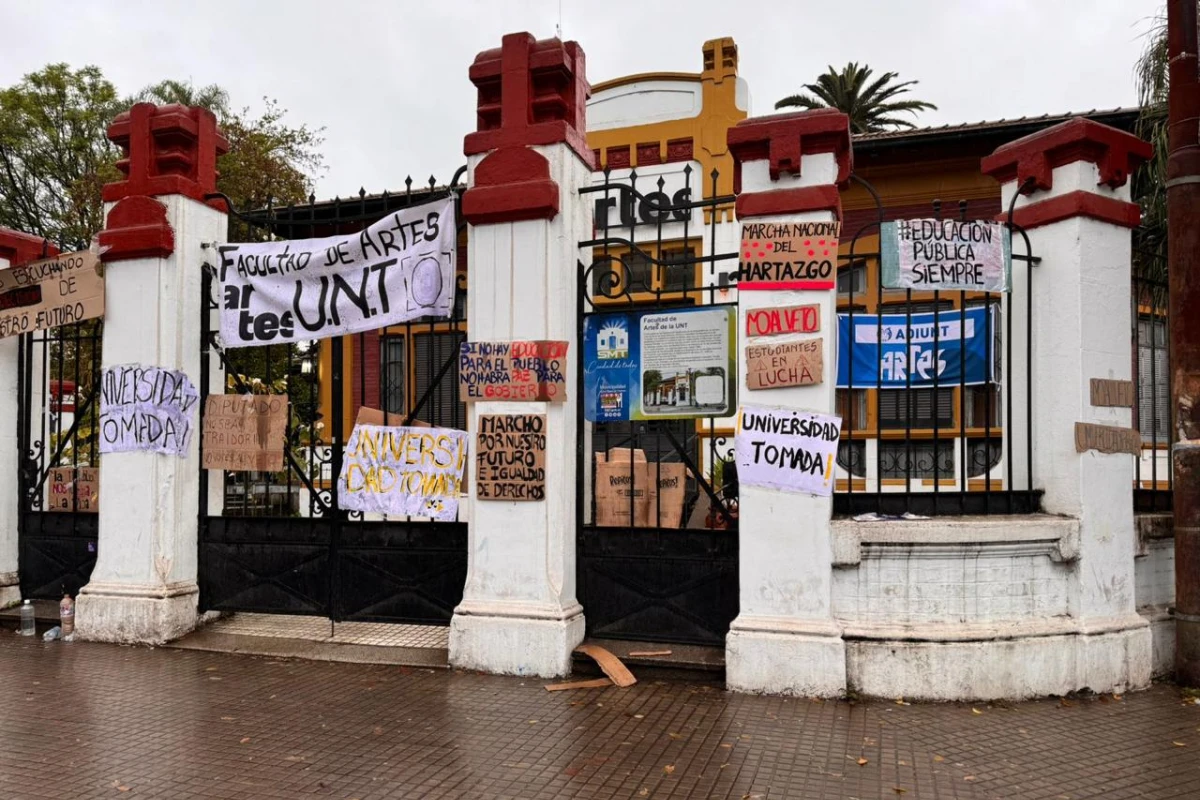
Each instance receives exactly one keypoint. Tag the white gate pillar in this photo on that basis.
(788, 168)
(1074, 204)
(519, 613)
(144, 585)
(15, 249)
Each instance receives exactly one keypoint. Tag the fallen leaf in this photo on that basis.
(228, 719)
(903, 763)
(939, 759)
(898, 790)
(900, 702)
(1064, 702)
(533, 722)
(669, 769)
(293, 758)
(644, 792)
(377, 730)
(723, 766)
(639, 716)
(675, 735)
(968, 777)
(862, 762)
(210, 669)
(976, 711)
(727, 746)
(245, 739)
(1179, 744)
(122, 788)
(214, 677)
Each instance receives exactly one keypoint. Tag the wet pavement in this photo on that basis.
(98, 721)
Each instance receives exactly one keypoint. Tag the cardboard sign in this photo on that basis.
(1109, 393)
(74, 489)
(1107, 439)
(788, 255)
(146, 408)
(51, 292)
(787, 449)
(399, 269)
(775, 366)
(244, 432)
(934, 254)
(406, 471)
(374, 416)
(786, 319)
(626, 482)
(513, 371)
(510, 457)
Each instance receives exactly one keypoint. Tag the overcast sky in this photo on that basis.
(388, 80)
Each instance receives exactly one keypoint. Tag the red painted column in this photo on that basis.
(788, 169)
(144, 585)
(527, 162)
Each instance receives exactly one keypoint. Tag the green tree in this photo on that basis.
(1149, 183)
(871, 105)
(54, 155)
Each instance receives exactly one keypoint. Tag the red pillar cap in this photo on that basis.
(169, 149)
(1030, 160)
(784, 138)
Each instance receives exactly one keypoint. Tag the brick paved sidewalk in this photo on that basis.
(96, 721)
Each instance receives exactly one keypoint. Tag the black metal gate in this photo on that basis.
(647, 578)
(58, 380)
(278, 542)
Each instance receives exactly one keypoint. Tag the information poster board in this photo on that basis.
(677, 364)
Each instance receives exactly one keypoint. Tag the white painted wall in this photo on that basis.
(519, 613)
(644, 103)
(143, 587)
(10, 592)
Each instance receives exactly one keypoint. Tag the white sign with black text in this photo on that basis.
(399, 269)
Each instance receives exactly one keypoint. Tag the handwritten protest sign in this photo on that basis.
(244, 432)
(513, 371)
(785, 319)
(1109, 393)
(945, 254)
(788, 255)
(775, 366)
(510, 457)
(146, 408)
(74, 489)
(51, 292)
(408, 471)
(1107, 439)
(398, 269)
(787, 449)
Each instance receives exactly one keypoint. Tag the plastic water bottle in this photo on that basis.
(66, 615)
(28, 622)
(52, 634)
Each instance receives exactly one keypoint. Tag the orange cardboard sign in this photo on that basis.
(775, 366)
(510, 457)
(244, 433)
(74, 489)
(51, 292)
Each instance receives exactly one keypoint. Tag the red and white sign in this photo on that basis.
(784, 319)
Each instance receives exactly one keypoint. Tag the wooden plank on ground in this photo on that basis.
(610, 664)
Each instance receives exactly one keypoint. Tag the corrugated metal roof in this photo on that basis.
(996, 124)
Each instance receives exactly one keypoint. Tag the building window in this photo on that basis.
(916, 459)
(915, 408)
(673, 269)
(984, 406)
(1153, 375)
(984, 455)
(431, 352)
(852, 408)
(852, 279)
(394, 352)
(852, 457)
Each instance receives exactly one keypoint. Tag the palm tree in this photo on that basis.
(871, 106)
(1149, 183)
(212, 97)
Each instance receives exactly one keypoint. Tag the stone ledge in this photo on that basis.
(1058, 537)
(1030, 628)
(1152, 528)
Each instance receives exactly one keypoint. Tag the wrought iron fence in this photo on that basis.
(58, 406)
(657, 498)
(1151, 325)
(279, 541)
(913, 440)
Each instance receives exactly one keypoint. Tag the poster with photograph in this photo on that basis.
(677, 364)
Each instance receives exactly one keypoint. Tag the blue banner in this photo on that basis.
(895, 351)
